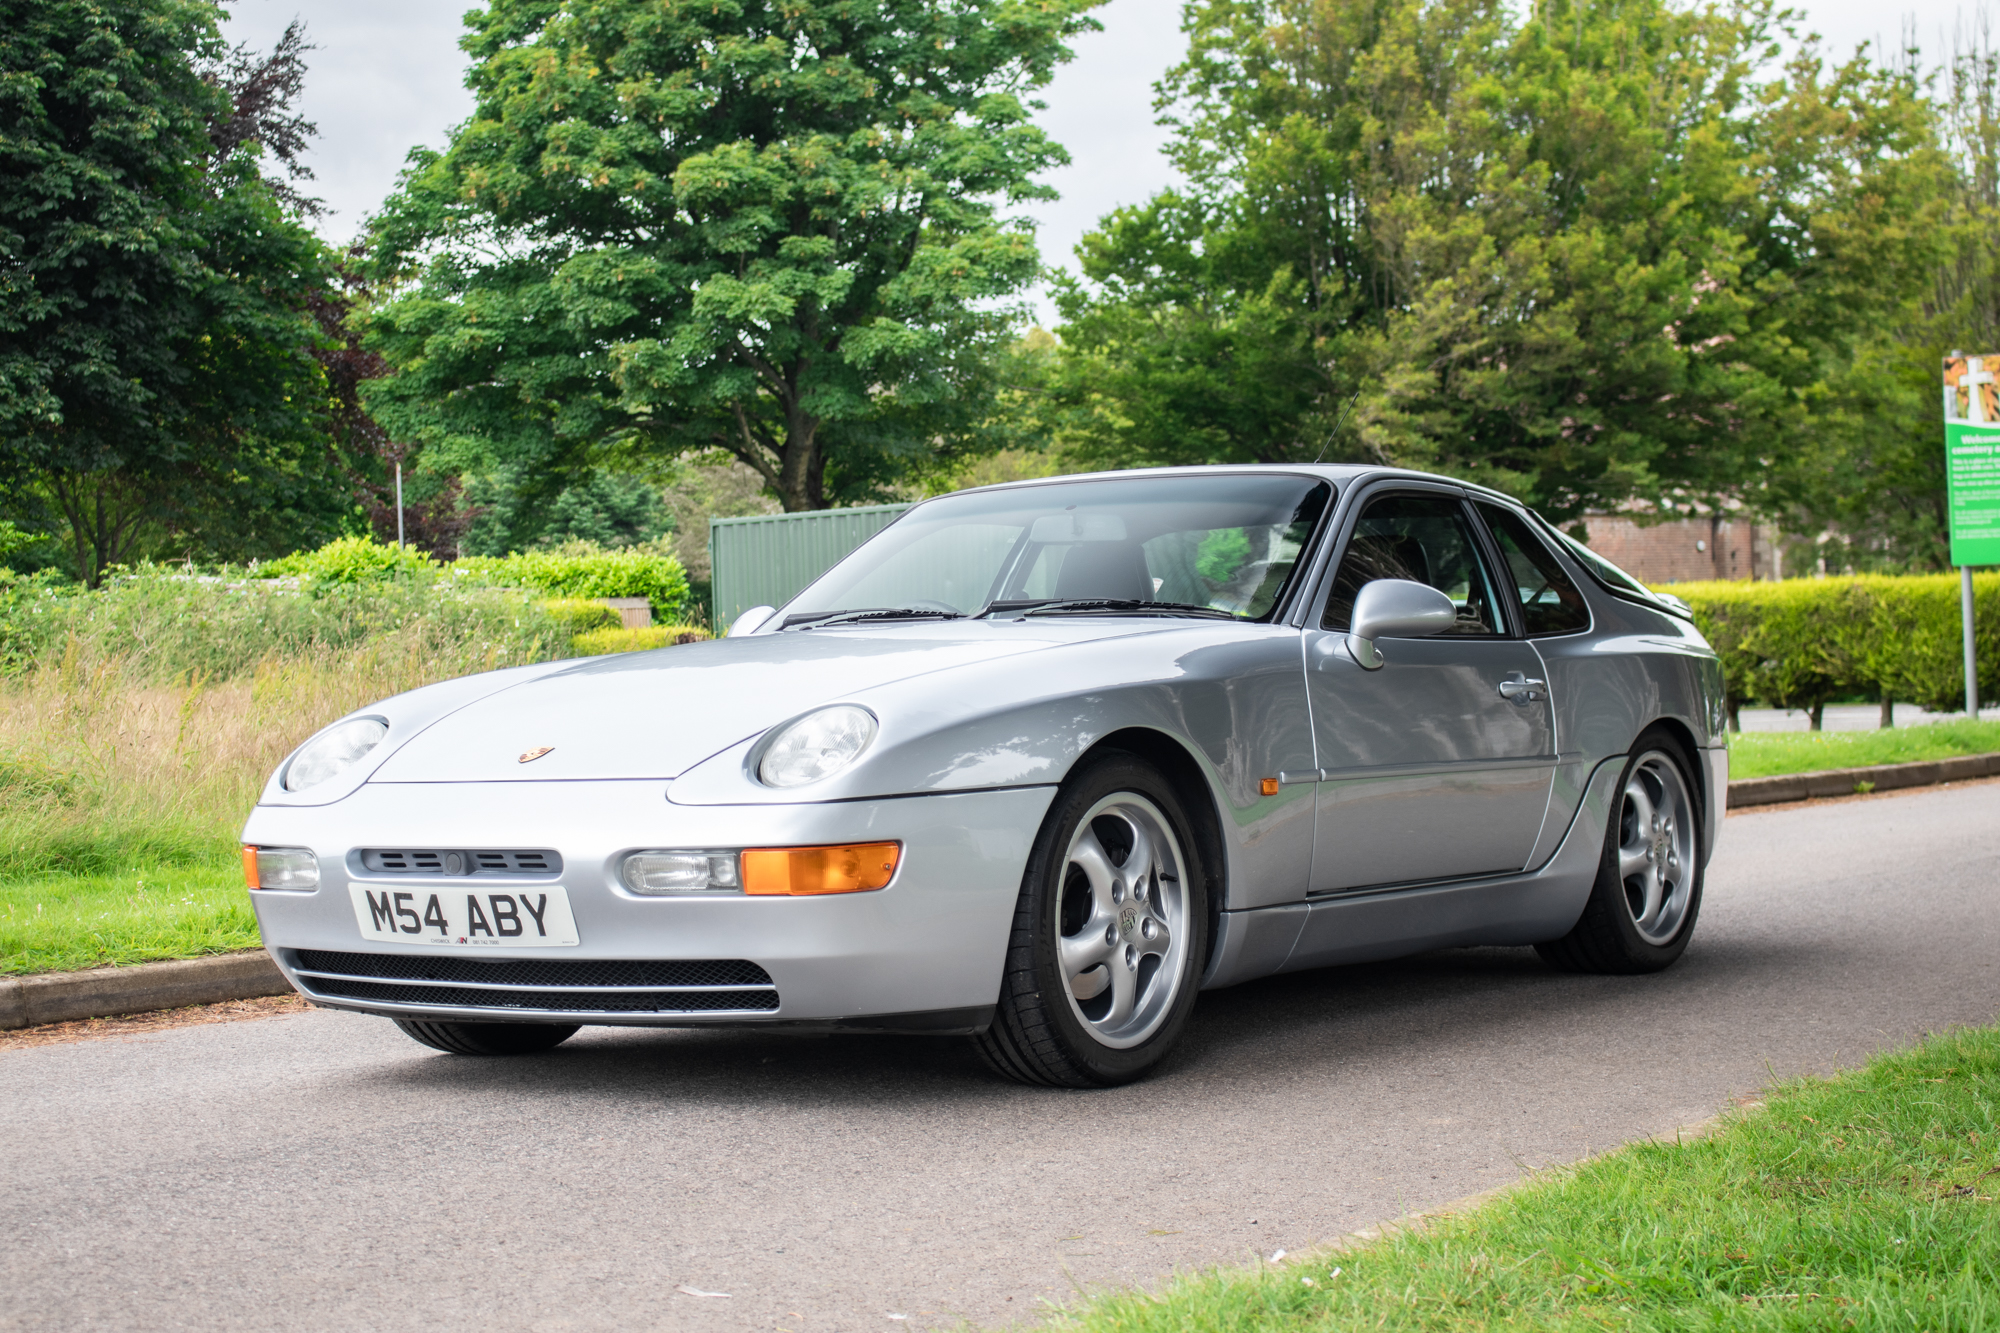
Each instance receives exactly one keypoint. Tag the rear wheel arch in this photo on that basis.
(1683, 735)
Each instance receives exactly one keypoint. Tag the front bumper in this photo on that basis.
(925, 953)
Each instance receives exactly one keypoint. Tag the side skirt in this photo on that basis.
(1370, 925)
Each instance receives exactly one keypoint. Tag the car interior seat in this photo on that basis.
(1391, 555)
(1114, 570)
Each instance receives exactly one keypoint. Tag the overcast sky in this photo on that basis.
(388, 75)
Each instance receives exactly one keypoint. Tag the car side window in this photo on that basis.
(1420, 537)
(1549, 600)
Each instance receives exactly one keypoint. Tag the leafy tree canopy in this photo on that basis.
(771, 228)
(1585, 252)
(154, 382)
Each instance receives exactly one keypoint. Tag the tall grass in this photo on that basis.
(165, 625)
(103, 766)
(138, 725)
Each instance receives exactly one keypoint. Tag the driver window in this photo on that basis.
(1423, 538)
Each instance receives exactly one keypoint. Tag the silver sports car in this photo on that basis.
(1034, 765)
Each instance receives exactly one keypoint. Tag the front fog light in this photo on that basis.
(657, 873)
(293, 868)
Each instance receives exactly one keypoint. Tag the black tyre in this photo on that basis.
(488, 1038)
(1109, 937)
(1642, 910)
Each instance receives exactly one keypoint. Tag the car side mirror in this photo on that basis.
(750, 621)
(1396, 609)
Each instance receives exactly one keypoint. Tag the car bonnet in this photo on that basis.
(657, 714)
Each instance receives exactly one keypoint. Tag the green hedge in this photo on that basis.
(573, 570)
(1803, 642)
(580, 615)
(598, 642)
(584, 569)
(349, 560)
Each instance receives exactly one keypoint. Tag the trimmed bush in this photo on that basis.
(598, 642)
(584, 569)
(348, 560)
(579, 615)
(1803, 642)
(577, 570)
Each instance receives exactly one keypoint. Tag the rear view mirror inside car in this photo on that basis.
(1076, 527)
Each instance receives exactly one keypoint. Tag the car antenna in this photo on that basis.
(1337, 425)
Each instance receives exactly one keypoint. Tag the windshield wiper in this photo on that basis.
(819, 619)
(1078, 606)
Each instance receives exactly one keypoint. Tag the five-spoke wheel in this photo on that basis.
(1642, 908)
(1109, 933)
(1656, 853)
(1119, 919)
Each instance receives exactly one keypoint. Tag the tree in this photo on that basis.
(154, 377)
(1592, 253)
(1871, 488)
(768, 228)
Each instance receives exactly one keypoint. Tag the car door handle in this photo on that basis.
(1520, 689)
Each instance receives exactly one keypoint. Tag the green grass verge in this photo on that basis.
(1864, 1202)
(1766, 754)
(61, 923)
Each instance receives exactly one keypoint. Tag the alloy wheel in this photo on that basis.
(1656, 851)
(1121, 920)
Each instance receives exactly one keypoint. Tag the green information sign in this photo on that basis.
(1972, 457)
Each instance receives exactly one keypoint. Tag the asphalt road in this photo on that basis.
(321, 1172)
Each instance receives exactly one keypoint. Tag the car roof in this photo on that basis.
(1340, 474)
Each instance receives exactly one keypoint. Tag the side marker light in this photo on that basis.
(1268, 786)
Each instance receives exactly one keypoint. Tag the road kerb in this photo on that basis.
(1790, 787)
(103, 992)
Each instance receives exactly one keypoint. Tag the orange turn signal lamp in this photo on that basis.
(1268, 786)
(796, 871)
(294, 869)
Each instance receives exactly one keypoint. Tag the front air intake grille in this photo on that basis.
(563, 1001)
(561, 985)
(459, 861)
(535, 971)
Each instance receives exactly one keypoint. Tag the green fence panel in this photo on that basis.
(766, 559)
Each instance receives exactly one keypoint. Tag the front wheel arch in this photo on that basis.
(1043, 1030)
(1198, 801)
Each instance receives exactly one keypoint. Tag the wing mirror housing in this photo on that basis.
(1396, 609)
(750, 621)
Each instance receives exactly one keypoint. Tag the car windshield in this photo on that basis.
(1159, 545)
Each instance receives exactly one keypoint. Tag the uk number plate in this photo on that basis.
(513, 919)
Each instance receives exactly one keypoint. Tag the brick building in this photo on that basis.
(1686, 549)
